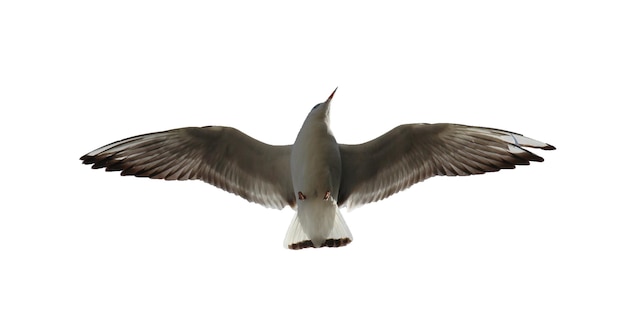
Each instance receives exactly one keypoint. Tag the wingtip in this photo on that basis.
(549, 147)
(87, 160)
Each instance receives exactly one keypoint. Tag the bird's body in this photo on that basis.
(316, 175)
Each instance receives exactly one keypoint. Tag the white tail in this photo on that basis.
(297, 238)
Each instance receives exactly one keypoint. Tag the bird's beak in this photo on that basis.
(332, 94)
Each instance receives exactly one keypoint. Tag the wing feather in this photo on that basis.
(411, 153)
(221, 156)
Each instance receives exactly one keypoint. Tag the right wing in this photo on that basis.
(221, 156)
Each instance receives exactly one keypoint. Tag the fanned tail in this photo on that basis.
(297, 239)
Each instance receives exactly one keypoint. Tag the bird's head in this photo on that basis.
(322, 109)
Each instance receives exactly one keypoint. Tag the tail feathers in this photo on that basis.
(297, 238)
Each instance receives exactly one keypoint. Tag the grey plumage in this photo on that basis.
(267, 174)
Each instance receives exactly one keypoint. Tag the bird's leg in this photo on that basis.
(327, 195)
(301, 196)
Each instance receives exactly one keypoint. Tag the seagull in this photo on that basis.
(316, 176)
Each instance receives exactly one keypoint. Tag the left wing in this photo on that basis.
(409, 154)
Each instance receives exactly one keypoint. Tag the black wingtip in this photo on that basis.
(549, 147)
(88, 160)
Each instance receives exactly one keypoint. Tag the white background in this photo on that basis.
(542, 245)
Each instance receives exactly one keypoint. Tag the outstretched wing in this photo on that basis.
(222, 156)
(409, 154)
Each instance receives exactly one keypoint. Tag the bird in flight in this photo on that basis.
(316, 175)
